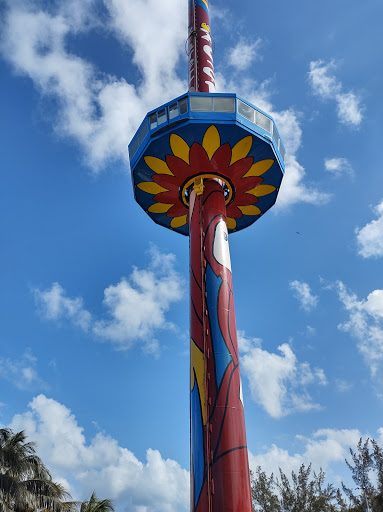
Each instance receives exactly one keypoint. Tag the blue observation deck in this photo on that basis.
(209, 120)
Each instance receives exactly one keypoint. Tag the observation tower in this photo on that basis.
(206, 165)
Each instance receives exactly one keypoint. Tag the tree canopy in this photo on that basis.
(306, 491)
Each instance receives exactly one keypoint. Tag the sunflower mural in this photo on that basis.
(246, 166)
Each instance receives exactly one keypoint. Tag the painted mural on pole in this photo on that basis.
(219, 462)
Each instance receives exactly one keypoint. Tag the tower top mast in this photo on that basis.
(200, 49)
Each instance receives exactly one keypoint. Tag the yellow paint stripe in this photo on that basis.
(178, 222)
(151, 188)
(231, 223)
(261, 190)
(157, 165)
(211, 141)
(259, 168)
(179, 147)
(241, 149)
(250, 210)
(197, 365)
(159, 208)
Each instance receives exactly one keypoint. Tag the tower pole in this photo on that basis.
(200, 49)
(220, 480)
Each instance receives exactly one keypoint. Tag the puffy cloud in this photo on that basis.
(102, 465)
(244, 54)
(54, 305)
(302, 293)
(365, 323)
(136, 306)
(338, 167)
(370, 237)
(323, 449)
(100, 112)
(22, 372)
(279, 382)
(325, 85)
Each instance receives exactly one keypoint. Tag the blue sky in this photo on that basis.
(94, 361)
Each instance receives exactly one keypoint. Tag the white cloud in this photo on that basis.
(22, 372)
(279, 382)
(324, 449)
(136, 306)
(338, 167)
(302, 293)
(54, 305)
(325, 85)
(365, 323)
(157, 484)
(100, 112)
(244, 54)
(370, 237)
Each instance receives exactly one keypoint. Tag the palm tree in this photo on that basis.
(96, 505)
(25, 483)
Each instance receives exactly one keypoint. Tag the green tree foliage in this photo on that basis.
(262, 491)
(303, 492)
(96, 505)
(25, 483)
(367, 472)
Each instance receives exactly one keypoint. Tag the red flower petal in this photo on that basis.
(233, 212)
(166, 181)
(177, 210)
(242, 199)
(246, 184)
(199, 161)
(179, 168)
(170, 197)
(221, 158)
(240, 168)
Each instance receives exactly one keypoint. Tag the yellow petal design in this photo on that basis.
(151, 188)
(211, 141)
(231, 223)
(250, 210)
(178, 222)
(241, 149)
(197, 363)
(259, 168)
(157, 165)
(159, 208)
(261, 190)
(179, 147)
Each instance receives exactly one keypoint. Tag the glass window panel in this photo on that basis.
(173, 110)
(183, 104)
(201, 103)
(263, 121)
(246, 111)
(276, 136)
(224, 104)
(282, 152)
(153, 121)
(161, 116)
(143, 131)
(133, 147)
